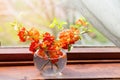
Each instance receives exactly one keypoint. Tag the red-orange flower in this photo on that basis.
(55, 46)
(48, 39)
(34, 34)
(81, 22)
(69, 36)
(53, 55)
(22, 34)
(42, 53)
(33, 46)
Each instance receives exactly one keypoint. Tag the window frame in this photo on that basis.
(77, 53)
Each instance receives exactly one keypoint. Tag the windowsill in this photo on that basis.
(82, 53)
(83, 63)
(76, 71)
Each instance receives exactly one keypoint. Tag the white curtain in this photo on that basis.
(104, 15)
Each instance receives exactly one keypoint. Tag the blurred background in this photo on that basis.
(39, 14)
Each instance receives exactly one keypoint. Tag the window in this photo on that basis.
(94, 48)
(39, 14)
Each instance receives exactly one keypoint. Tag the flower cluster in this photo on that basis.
(41, 42)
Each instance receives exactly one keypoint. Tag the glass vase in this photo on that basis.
(50, 66)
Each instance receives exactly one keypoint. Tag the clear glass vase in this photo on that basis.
(50, 66)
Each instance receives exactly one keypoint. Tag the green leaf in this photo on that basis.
(13, 24)
(60, 27)
(57, 23)
(82, 18)
(82, 32)
(16, 25)
(63, 23)
(52, 25)
(55, 20)
(89, 30)
(69, 47)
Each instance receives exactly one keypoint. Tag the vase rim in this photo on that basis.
(64, 54)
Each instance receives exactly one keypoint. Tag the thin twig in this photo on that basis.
(56, 65)
(45, 64)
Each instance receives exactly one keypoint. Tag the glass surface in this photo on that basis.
(50, 66)
(39, 14)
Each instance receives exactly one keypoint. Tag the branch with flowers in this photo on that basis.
(44, 41)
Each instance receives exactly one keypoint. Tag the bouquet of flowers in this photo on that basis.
(47, 45)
